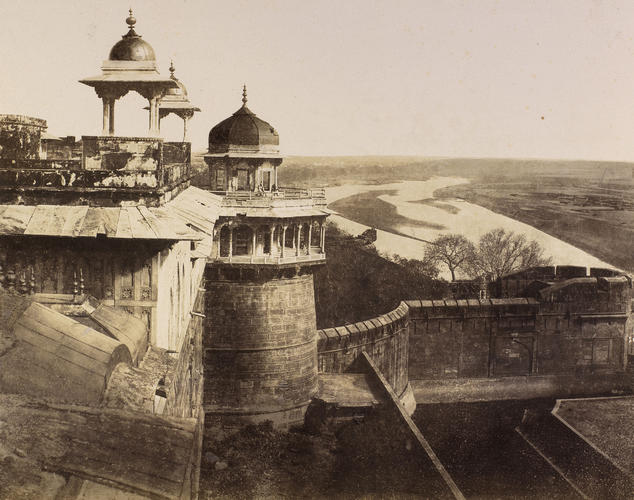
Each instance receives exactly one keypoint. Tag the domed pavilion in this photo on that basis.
(131, 66)
(176, 101)
(244, 152)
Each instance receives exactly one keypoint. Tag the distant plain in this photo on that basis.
(589, 204)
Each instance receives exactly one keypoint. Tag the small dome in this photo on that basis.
(244, 130)
(132, 47)
(181, 90)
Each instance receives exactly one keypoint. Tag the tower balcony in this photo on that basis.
(240, 241)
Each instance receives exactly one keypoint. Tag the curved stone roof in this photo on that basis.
(132, 47)
(244, 131)
(127, 329)
(48, 355)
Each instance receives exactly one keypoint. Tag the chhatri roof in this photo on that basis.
(243, 132)
(131, 60)
(176, 98)
(132, 47)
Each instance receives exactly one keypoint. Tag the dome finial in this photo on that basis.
(172, 68)
(130, 20)
(244, 95)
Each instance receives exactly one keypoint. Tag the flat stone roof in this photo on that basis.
(605, 424)
(185, 217)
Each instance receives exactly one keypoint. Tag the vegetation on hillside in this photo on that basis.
(358, 283)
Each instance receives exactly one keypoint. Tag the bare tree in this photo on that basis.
(500, 252)
(453, 250)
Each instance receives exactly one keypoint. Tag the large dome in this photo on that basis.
(132, 47)
(243, 130)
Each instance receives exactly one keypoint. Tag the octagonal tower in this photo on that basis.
(260, 336)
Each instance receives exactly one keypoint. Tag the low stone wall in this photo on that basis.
(385, 338)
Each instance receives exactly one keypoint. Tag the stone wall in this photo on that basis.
(260, 348)
(577, 327)
(184, 395)
(121, 153)
(154, 281)
(109, 169)
(385, 338)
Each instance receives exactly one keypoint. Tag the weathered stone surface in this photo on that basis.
(577, 327)
(260, 347)
(385, 338)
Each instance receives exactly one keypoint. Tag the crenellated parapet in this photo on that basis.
(385, 338)
(570, 326)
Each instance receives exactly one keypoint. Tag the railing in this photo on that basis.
(287, 193)
(270, 259)
(303, 192)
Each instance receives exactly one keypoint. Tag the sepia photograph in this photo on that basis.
(353, 249)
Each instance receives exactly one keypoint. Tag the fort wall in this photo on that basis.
(260, 348)
(570, 337)
(384, 338)
(577, 327)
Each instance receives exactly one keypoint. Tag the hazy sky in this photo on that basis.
(515, 78)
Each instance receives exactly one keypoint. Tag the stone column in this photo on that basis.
(185, 119)
(322, 238)
(154, 116)
(283, 239)
(217, 234)
(299, 239)
(254, 231)
(310, 235)
(111, 105)
(106, 116)
(271, 240)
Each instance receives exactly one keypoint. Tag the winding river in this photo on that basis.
(429, 217)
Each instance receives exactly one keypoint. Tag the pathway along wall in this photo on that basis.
(260, 345)
(385, 338)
